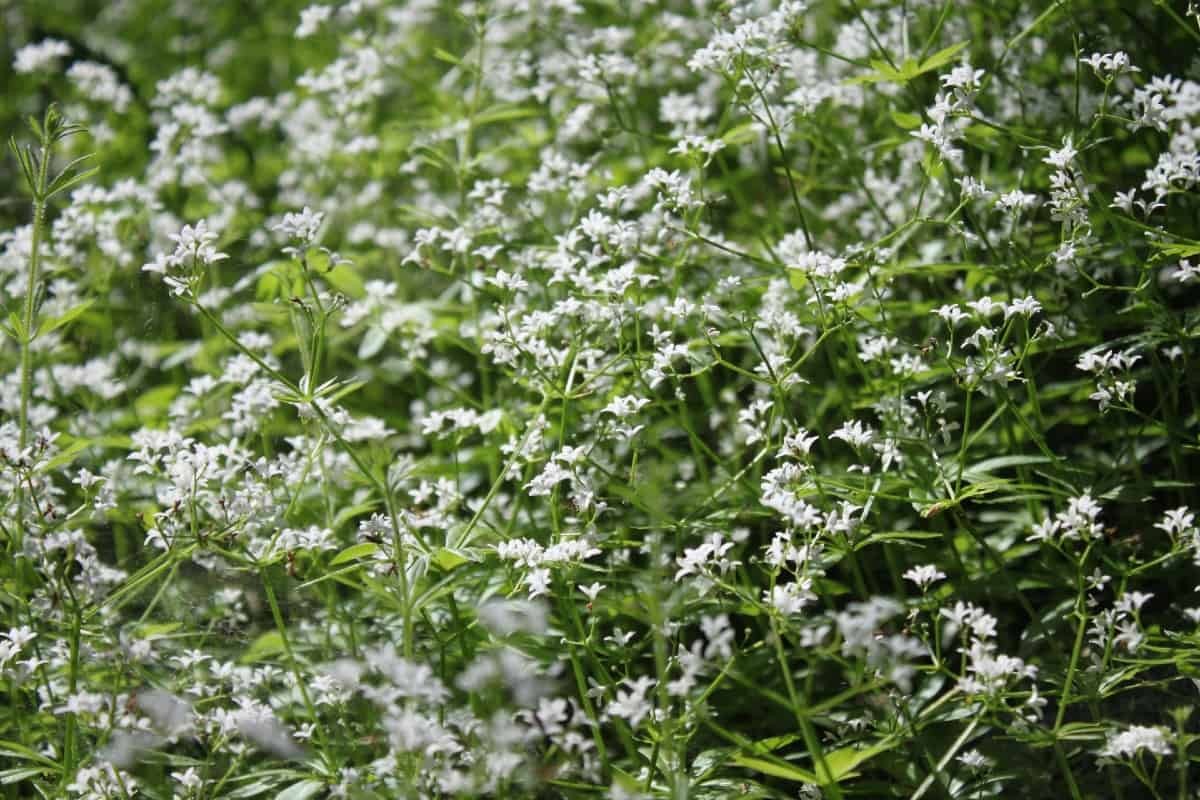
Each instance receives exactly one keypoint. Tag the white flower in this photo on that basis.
(632, 706)
(189, 779)
(194, 249)
(1184, 272)
(591, 591)
(625, 406)
(508, 282)
(301, 225)
(1025, 305)
(924, 575)
(41, 56)
(1176, 521)
(1062, 158)
(797, 445)
(311, 19)
(951, 314)
(790, 598)
(1134, 740)
(854, 433)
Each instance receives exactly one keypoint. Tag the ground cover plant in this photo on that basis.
(586, 398)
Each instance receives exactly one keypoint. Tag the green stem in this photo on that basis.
(941, 765)
(277, 615)
(824, 774)
(27, 321)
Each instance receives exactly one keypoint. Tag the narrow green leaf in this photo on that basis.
(346, 280)
(899, 537)
(260, 786)
(843, 761)
(64, 457)
(301, 791)
(22, 753)
(54, 323)
(18, 326)
(19, 774)
(354, 552)
(776, 769)
(372, 343)
(448, 559)
(154, 403)
(503, 113)
(942, 57)
(58, 186)
(269, 644)
(157, 629)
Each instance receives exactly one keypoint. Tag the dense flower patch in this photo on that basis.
(599, 399)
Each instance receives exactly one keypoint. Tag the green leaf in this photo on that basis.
(60, 185)
(776, 769)
(905, 120)
(68, 177)
(17, 325)
(19, 774)
(157, 629)
(1082, 732)
(448, 559)
(740, 134)
(260, 786)
(22, 753)
(269, 287)
(65, 457)
(504, 112)
(1178, 249)
(153, 404)
(942, 57)
(900, 537)
(25, 159)
(269, 644)
(346, 280)
(346, 389)
(1004, 462)
(372, 343)
(54, 323)
(354, 552)
(844, 761)
(301, 791)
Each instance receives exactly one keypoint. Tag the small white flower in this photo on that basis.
(854, 433)
(591, 591)
(41, 56)
(924, 575)
(301, 226)
(1134, 740)
(311, 19)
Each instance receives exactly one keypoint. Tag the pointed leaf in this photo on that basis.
(776, 769)
(354, 552)
(54, 323)
(269, 644)
(943, 56)
(373, 342)
(843, 761)
(82, 176)
(301, 791)
(448, 559)
(22, 159)
(20, 752)
(64, 457)
(19, 774)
